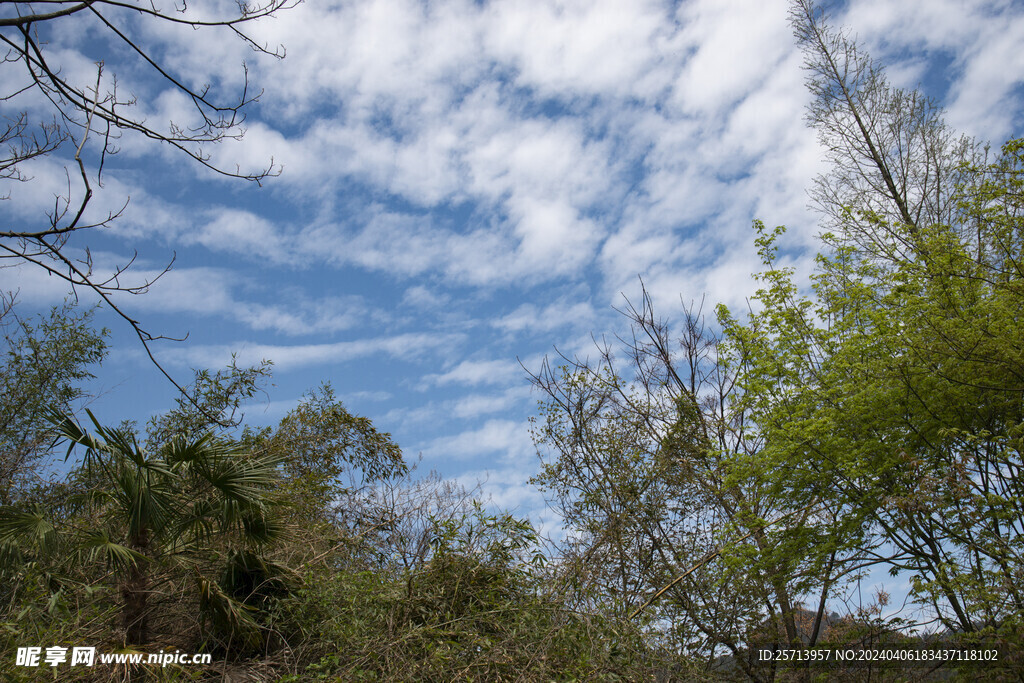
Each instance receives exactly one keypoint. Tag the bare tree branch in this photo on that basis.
(81, 111)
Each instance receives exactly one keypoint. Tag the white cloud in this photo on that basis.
(419, 296)
(409, 346)
(204, 291)
(580, 47)
(735, 45)
(225, 293)
(477, 372)
(982, 38)
(533, 318)
(52, 181)
(509, 439)
(985, 99)
(466, 182)
(508, 489)
(245, 233)
(474, 405)
(32, 285)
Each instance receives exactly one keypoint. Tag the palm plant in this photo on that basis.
(192, 505)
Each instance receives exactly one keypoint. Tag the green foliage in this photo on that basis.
(894, 396)
(479, 608)
(148, 521)
(327, 453)
(308, 546)
(668, 523)
(195, 500)
(45, 363)
(212, 403)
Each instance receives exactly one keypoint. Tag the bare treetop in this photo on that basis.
(54, 111)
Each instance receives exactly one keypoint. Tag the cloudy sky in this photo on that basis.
(467, 185)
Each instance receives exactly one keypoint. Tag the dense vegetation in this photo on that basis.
(303, 552)
(724, 488)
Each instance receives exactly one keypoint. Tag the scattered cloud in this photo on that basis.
(474, 405)
(541, 318)
(294, 357)
(465, 183)
(477, 372)
(508, 439)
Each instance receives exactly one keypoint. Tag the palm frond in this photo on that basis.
(261, 528)
(99, 545)
(29, 527)
(68, 429)
(227, 615)
(253, 578)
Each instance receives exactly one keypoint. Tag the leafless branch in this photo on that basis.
(79, 111)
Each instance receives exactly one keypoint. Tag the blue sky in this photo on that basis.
(467, 185)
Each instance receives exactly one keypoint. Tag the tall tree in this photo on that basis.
(331, 462)
(895, 390)
(891, 155)
(648, 465)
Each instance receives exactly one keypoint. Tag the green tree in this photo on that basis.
(213, 402)
(478, 605)
(195, 510)
(330, 457)
(875, 422)
(894, 392)
(891, 156)
(46, 362)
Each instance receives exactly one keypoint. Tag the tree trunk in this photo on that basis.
(135, 595)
